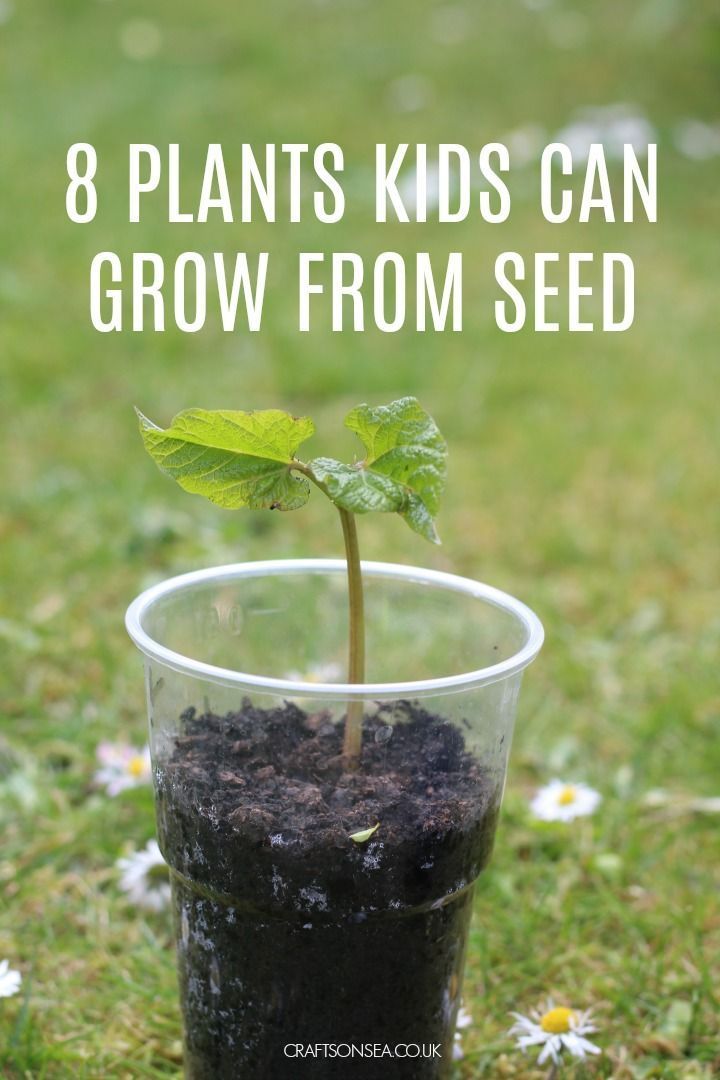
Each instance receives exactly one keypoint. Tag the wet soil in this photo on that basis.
(289, 931)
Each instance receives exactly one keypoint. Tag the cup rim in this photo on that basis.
(534, 633)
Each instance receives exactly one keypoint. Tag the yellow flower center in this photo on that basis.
(557, 1021)
(567, 795)
(136, 765)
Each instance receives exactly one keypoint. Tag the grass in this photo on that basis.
(583, 479)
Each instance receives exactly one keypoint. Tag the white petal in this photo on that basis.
(10, 980)
(583, 1025)
(464, 1019)
(522, 1024)
(550, 1050)
(136, 883)
(535, 1039)
(578, 1046)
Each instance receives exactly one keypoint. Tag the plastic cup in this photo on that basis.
(294, 928)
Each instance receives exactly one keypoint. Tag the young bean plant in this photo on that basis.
(247, 460)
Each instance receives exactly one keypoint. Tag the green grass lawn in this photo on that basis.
(583, 478)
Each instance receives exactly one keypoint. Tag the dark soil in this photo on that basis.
(291, 932)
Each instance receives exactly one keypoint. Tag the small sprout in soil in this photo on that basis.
(364, 835)
(247, 460)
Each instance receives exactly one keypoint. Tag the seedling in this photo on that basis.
(247, 460)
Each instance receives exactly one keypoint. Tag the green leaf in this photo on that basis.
(364, 835)
(235, 459)
(355, 488)
(404, 468)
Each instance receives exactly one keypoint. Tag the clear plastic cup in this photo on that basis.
(295, 927)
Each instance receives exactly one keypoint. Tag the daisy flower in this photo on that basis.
(9, 980)
(122, 766)
(560, 801)
(464, 1019)
(556, 1029)
(144, 878)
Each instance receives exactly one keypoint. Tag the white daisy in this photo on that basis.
(9, 980)
(561, 801)
(678, 803)
(555, 1029)
(611, 125)
(144, 878)
(464, 1019)
(122, 766)
(697, 139)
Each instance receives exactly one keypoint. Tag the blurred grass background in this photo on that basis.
(584, 479)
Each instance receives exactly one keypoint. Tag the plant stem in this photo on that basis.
(356, 657)
(352, 742)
